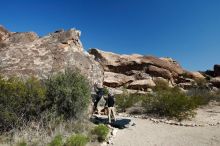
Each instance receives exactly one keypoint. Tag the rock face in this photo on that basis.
(142, 84)
(4, 34)
(142, 73)
(116, 80)
(195, 75)
(159, 72)
(123, 63)
(217, 70)
(216, 81)
(26, 54)
(214, 76)
(135, 71)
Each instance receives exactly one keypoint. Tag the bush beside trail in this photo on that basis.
(64, 95)
(68, 94)
(20, 101)
(166, 101)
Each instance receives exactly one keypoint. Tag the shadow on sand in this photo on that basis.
(119, 123)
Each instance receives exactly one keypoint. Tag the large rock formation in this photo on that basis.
(123, 63)
(26, 54)
(135, 71)
(138, 72)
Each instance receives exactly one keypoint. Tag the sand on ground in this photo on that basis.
(147, 133)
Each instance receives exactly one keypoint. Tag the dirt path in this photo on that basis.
(147, 133)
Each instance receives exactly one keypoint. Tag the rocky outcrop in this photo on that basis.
(213, 76)
(116, 80)
(122, 63)
(195, 75)
(142, 85)
(216, 81)
(26, 54)
(159, 72)
(217, 70)
(135, 71)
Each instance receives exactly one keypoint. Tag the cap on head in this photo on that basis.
(110, 93)
(99, 85)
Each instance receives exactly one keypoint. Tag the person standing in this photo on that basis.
(99, 93)
(111, 107)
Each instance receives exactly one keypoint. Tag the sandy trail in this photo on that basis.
(147, 133)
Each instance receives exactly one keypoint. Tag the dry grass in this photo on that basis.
(37, 134)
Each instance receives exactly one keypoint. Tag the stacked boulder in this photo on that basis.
(215, 76)
(138, 72)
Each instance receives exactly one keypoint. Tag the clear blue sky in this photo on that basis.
(186, 30)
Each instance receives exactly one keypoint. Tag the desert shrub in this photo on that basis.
(171, 103)
(65, 95)
(101, 132)
(68, 94)
(201, 96)
(57, 141)
(77, 140)
(161, 85)
(22, 143)
(126, 100)
(201, 93)
(19, 101)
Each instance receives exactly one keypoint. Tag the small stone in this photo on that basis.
(104, 144)
(114, 132)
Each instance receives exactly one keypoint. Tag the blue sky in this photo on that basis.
(186, 30)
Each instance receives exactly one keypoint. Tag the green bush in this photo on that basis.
(57, 141)
(68, 94)
(201, 93)
(34, 98)
(126, 100)
(101, 132)
(77, 140)
(170, 103)
(20, 101)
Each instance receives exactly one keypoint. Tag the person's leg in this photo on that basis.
(109, 114)
(113, 113)
(96, 109)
